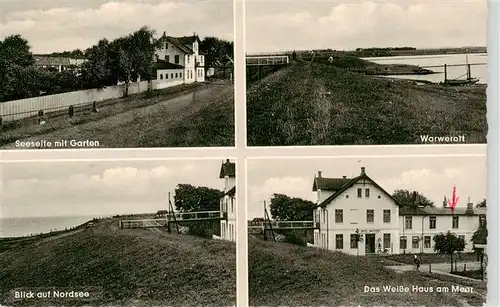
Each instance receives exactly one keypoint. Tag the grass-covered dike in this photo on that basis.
(282, 274)
(319, 104)
(122, 267)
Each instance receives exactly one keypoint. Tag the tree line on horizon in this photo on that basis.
(107, 63)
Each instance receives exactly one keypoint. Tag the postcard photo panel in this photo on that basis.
(107, 74)
(382, 231)
(118, 233)
(366, 72)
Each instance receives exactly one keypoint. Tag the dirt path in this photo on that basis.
(142, 127)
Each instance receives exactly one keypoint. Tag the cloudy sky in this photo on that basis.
(303, 25)
(434, 177)
(54, 26)
(98, 188)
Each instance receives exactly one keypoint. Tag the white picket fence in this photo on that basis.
(18, 109)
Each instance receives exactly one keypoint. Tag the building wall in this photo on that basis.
(228, 204)
(467, 225)
(165, 77)
(321, 195)
(171, 51)
(354, 210)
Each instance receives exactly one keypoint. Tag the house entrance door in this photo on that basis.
(370, 243)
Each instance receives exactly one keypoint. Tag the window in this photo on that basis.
(177, 59)
(165, 46)
(370, 215)
(432, 222)
(482, 221)
(167, 58)
(455, 222)
(402, 242)
(354, 242)
(367, 193)
(461, 237)
(339, 241)
(408, 221)
(172, 75)
(161, 76)
(339, 216)
(360, 193)
(387, 216)
(427, 242)
(176, 76)
(188, 58)
(387, 240)
(180, 75)
(414, 242)
(166, 76)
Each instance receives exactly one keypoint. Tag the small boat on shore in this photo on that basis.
(459, 82)
(469, 80)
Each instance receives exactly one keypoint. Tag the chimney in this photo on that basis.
(319, 174)
(227, 161)
(164, 33)
(363, 170)
(444, 202)
(344, 177)
(470, 208)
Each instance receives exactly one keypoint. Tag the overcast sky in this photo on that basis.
(433, 177)
(303, 25)
(55, 26)
(98, 188)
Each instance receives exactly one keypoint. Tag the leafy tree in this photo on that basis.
(217, 51)
(480, 236)
(294, 55)
(74, 54)
(96, 71)
(482, 204)
(16, 61)
(448, 244)
(189, 198)
(285, 208)
(14, 49)
(408, 198)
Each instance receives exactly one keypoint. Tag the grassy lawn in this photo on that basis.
(476, 274)
(165, 118)
(282, 274)
(317, 104)
(130, 267)
(433, 258)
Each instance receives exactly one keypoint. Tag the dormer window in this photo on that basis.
(165, 46)
(195, 46)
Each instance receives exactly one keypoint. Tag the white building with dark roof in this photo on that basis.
(228, 201)
(351, 206)
(178, 59)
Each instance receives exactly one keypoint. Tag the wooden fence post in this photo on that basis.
(430, 269)
(71, 111)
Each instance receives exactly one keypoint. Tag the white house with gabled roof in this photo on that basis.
(347, 205)
(228, 201)
(178, 59)
(350, 206)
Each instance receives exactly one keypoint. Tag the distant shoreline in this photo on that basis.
(382, 52)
